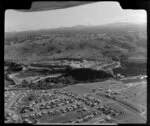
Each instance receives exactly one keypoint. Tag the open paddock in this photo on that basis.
(135, 120)
(26, 74)
(126, 113)
(141, 98)
(83, 88)
(134, 92)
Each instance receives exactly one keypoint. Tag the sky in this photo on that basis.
(89, 14)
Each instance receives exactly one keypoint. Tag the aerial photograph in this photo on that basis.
(75, 63)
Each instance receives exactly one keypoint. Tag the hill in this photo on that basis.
(117, 41)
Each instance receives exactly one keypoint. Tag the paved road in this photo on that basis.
(49, 76)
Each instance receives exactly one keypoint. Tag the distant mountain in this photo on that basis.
(119, 25)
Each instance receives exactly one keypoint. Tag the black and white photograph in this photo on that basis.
(75, 62)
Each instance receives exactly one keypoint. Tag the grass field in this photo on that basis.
(26, 74)
(141, 98)
(127, 114)
(87, 87)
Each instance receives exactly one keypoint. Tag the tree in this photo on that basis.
(24, 82)
(123, 58)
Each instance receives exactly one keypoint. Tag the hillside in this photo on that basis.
(116, 41)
